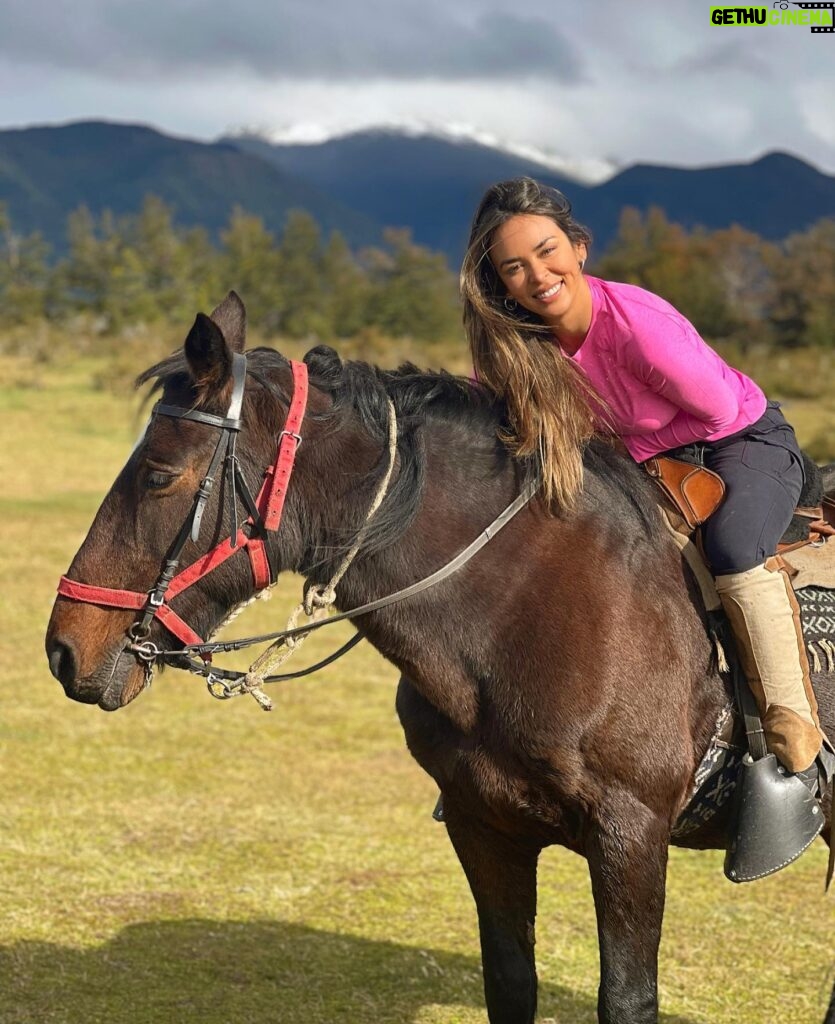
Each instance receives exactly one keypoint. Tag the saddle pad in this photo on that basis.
(813, 565)
(817, 607)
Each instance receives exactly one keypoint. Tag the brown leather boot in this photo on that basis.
(765, 619)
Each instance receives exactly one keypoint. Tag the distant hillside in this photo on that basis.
(359, 183)
(433, 185)
(47, 172)
(428, 184)
(774, 195)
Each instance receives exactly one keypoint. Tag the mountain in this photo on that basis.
(774, 195)
(426, 183)
(361, 182)
(588, 170)
(433, 185)
(46, 172)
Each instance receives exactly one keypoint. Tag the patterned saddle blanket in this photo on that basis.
(813, 576)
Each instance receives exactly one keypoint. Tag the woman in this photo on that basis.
(569, 353)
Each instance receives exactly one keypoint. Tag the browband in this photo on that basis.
(222, 422)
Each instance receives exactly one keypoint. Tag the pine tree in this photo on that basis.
(23, 272)
(250, 265)
(414, 293)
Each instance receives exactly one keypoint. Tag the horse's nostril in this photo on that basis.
(62, 663)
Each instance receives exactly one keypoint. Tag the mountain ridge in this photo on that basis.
(361, 182)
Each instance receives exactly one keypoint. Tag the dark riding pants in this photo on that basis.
(762, 469)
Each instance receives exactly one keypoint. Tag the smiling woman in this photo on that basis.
(572, 354)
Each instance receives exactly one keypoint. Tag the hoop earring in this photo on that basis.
(582, 264)
(511, 305)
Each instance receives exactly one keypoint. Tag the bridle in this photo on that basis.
(264, 517)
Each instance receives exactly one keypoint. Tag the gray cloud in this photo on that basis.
(578, 81)
(730, 57)
(327, 41)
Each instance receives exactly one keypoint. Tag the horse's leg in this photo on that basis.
(627, 856)
(502, 877)
(829, 835)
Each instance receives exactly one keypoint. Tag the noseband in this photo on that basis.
(264, 516)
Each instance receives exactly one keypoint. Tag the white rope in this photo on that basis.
(319, 598)
(829, 650)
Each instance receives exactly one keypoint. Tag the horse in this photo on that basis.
(560, 688)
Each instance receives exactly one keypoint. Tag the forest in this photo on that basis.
(122, 272)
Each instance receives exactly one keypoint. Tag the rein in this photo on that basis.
(244, 682)
(264, 515)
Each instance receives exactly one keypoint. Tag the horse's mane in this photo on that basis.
(420, 397)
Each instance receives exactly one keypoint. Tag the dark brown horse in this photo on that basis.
(560, 689)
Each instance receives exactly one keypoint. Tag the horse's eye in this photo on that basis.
(156, 481)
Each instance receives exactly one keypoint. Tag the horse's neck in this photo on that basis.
(464, 491)
(461, 487)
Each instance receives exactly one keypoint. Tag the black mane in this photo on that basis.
(419, 397)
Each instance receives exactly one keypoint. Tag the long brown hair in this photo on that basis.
(515, 355)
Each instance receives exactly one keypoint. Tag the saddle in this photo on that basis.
(695, 493)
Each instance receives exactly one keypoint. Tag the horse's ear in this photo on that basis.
(230, 316)
(208, 355)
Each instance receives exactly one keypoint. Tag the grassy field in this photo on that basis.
(186, 860)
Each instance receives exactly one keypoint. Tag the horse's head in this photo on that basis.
(94, 639)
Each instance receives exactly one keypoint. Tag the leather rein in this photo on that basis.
(264, 516)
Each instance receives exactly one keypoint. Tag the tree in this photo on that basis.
(414, 293)
(347, 290)
(744, 260)
(303, 288)
(803, 294)
(660, 256)
(249, 264)
(23, 272)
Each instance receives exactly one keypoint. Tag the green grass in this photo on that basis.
(186, 860)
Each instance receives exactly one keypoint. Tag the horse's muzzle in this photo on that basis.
(110, 682)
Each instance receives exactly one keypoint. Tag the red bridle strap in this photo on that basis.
(127, 599)
(273, 493)
(270, 505)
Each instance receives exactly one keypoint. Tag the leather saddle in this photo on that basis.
(695, 492)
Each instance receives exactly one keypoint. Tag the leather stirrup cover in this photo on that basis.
(695, 491)
(775, 819)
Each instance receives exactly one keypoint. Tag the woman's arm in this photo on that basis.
(676, 363)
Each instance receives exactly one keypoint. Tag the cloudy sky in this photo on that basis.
(586, 79)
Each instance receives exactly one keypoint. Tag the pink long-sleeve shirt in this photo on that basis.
(663, 384)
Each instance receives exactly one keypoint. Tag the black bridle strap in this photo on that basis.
(233, 675)
(196, 416)
(207, 484)
(229, 426)
(234, 413)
